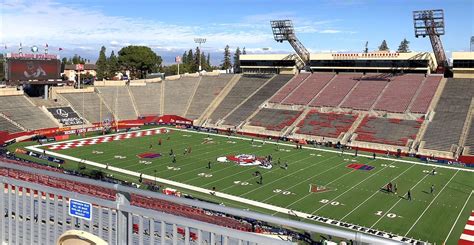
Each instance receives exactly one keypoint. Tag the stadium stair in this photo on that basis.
(248, 97)
(132, 98)
(379, 97)
(192, 96)
(290, 87)
(45, 111)
(215, 103)
(10, 125)
(467, 124)
(103, 102)
(290, 129)
(347, 95)
(321, 90)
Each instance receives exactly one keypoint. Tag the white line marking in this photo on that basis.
(426, 209)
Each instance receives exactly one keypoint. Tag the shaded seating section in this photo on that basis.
(189, 212)
(208, 89)
(6, 125)
(387, 131)
(274, 119)
(246, 85)
(336, 90)
(251, 105)
(119, 101)
(90, 106)
(147, 98)
(364, 94)
(20, 110)
(325, 124)
(399, 93)
(177, 94)
(60, 183)
(308, 89)
(427, 91)
(289, 87)
(450, 114)
(470, 138)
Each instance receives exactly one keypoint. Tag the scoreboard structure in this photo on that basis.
(32, 68)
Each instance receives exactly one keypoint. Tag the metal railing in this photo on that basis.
(38, 214)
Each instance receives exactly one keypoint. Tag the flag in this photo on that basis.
(46, 45)
(60, 49)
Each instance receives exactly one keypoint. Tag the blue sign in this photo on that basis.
(80, 209)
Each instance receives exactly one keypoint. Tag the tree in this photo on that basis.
(403, 47)
(101, 65)
(139, 60)
(2, 74)
(112, 65)
(189, 57)
(384, 46)
(196, 58)
(226, 64)
(184, 58)
(366, 49)
(208, 61)
(237, 60)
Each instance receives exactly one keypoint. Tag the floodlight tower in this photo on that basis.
(283, 30)
(431, 23)
(200, 41)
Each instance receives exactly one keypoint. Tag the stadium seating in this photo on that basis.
(399, 93)
(119, 101)
(364, 94)
(251, 105)
(336, 90)
(188, 212)
(90, 106)
(387, 131)
(247, 85)
(20, 110)
(274, 119)
(427, 91)
(289, 87)
(325, 124)
(64, 184)
(470, 138)
(177, 94)
(308, 89)
(450, 114)
(208, 89)
(7, 126)
(147, 98)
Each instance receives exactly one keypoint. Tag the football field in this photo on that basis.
(316, 184)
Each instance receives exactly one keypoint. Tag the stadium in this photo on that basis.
(293, 148)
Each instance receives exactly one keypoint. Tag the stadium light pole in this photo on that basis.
(200, 41)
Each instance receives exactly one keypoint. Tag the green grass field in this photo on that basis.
(353, 196)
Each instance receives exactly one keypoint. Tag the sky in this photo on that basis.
(170, 26)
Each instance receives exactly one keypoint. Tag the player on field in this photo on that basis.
(159, 141)
(373, 156)
(174, 159)
(209, 165)
(409, 194)
(433, 172)
(432, 189)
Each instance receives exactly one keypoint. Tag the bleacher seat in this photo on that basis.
(274, 119)
(246, 85)
(364, 94)
(470, 138)
(423, 99)
(90, 106)
(119, 101)
(20, 110)
(7, 126)
(399, 93)
(208, 89)
(289, 87)
(450, 115)
(336, 90)
(325, 124)
(177, 94)
(251, 105)
(147, 98)
(387, 131)
(308, 89)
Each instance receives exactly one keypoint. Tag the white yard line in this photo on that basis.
(459, 215)
(375, 193)
(432, 201)
(400, 199)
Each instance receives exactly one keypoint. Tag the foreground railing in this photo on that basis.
(39, 214)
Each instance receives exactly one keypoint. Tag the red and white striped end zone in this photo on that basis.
(467, 236)
(105, 139)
